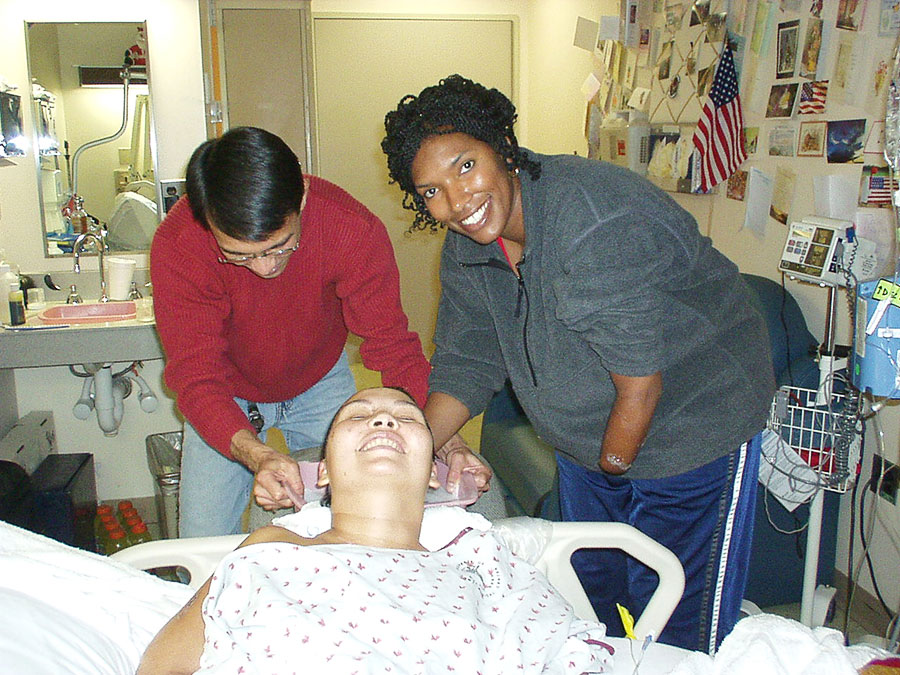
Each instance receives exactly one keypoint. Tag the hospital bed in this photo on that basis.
(67, 610)
(64, 610)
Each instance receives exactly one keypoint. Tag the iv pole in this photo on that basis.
(817, 505)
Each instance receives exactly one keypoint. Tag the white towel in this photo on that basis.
(774, 645)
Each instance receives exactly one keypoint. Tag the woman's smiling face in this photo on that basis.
(379, 431)
(467, 186)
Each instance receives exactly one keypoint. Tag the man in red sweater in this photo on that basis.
(258, 274)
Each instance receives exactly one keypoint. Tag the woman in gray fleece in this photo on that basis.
(627, 338)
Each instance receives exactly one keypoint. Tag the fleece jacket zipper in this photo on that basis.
(521, 294)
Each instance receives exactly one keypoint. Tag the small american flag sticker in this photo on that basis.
(812, 97)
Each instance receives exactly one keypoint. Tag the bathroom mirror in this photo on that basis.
(93, 131)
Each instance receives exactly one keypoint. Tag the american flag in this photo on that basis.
(812, 97)
(719, 138)
(879, 188)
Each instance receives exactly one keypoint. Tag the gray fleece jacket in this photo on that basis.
(615, 277)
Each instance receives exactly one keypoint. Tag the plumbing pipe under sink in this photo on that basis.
(106, 393)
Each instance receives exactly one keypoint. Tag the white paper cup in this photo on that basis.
(36, 299)
(121, 272)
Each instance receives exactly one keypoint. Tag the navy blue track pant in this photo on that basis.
(704, 516)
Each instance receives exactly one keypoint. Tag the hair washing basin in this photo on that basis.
(95, 312)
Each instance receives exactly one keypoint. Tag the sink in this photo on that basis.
(96, 312)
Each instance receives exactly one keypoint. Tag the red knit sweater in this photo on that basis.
(227, 332)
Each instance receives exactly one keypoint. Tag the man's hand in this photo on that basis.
(459, 457)
(277, 472)
(274, 472)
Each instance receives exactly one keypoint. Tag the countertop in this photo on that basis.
(112, 342)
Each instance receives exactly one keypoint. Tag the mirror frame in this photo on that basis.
(34, 132)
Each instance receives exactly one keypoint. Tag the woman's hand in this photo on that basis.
(459, 458)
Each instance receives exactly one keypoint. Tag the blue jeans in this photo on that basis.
(704, 516)
(215, 490)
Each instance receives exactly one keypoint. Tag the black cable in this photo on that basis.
(862, 537)
(787, 335)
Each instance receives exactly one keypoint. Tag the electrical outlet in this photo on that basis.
(889, 483)
(172, 190)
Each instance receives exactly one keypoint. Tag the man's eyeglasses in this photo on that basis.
(246, 259)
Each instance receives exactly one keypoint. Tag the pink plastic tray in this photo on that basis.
(465, 494)
(97, 312)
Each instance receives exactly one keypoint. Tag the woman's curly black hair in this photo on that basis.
(455, 104)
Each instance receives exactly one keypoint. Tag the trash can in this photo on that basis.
(164, 459)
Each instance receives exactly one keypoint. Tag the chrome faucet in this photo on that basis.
(99, 241)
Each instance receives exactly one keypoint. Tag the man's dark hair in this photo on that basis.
(455, 104)
(245, 183)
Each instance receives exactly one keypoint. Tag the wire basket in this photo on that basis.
(825, 435)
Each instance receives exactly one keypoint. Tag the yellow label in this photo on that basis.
(887, 289)
(627, 621)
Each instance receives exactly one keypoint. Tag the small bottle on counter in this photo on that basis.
(16, 307)
(79, 218)
(4, 284)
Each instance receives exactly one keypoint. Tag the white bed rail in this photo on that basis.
(567, 538)
(200, 555)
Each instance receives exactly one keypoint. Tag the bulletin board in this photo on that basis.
(686, 42)
(813, 76)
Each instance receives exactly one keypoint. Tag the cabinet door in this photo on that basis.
(263, 54)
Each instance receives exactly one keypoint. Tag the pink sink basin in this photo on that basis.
(96, 312)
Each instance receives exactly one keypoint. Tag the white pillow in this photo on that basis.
(38, 638)
(440, 524)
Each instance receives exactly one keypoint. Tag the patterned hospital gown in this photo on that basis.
(471, 607)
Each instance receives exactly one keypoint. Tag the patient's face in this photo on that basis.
(382, 431)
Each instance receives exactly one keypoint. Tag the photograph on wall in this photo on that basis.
(751, 139)
(809, 60)
(815, 8)
(782, 141)
(781, 100)
(850, 14)
(715, 28)
(812, 98)
(665, 61)
(737, 185)
(782, 194)
(812, 139)
(845, 141)
(876, 186)
(674, 17)
(786, 53)
(699, 12)
(844, 77)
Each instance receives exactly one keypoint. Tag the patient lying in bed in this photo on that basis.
(364, 595)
